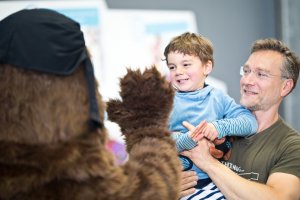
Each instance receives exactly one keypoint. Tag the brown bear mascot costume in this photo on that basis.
(52, 137)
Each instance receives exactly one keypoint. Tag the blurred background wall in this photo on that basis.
(232, 26)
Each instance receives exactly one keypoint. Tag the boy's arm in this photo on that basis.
(235, 119)
(183, 141)
(243, 125)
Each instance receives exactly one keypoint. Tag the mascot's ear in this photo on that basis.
(56, 39)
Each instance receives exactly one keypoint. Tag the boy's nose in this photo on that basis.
(179, 70)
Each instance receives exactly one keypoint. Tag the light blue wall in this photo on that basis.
(232, 25)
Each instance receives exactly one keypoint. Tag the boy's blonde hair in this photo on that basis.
(191, 44)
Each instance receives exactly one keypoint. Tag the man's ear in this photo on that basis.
(287, 87)
(207, 67)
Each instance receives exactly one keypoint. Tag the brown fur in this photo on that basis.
(48, 152)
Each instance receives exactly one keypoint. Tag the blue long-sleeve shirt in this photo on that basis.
(213, 106)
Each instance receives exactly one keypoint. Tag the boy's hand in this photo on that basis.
(195, 132)
(210, 132)
(204, 129)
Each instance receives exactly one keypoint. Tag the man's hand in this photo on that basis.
(209, 131)
(200, 155)
(188, 181)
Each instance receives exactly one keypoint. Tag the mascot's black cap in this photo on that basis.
(49, 42)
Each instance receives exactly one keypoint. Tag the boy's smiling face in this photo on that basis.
(187, 72)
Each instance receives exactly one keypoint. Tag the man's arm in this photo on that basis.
(279, 186)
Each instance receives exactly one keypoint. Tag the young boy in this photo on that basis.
(189, 58)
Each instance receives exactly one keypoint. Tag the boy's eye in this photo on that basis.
(186, 64)
(171, 67)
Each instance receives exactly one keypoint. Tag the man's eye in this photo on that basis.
(262, 74)
(247, 71)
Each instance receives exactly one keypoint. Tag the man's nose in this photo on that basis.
(249, 78)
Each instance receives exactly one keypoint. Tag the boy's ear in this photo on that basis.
(208, 67)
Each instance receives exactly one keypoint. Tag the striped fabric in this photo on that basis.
(209, 192)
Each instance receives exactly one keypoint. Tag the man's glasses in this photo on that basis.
(259, 73)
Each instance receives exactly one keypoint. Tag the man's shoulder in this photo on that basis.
(286, 138)
(287, 131)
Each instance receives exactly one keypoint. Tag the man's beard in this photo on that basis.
(254, 107)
